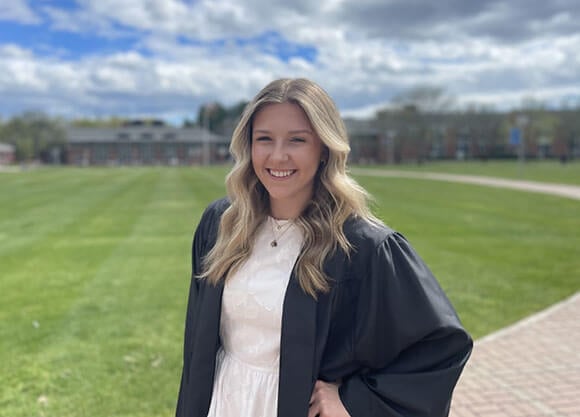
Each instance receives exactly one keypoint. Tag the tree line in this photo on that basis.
(417, 115)
(38, 137)
(35, 136)
(424, 118)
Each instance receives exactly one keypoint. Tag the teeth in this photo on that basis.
(281, 174)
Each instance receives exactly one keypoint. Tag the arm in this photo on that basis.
(408, 340)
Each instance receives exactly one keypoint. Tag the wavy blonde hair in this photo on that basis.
(336, 196)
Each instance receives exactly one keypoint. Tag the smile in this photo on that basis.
(281, 174)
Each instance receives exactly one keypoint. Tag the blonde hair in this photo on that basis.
(336, 196)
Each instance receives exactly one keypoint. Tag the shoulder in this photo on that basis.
(217, 207)
(214, 211)
(364, 234)
(376, 242)
(208, 225)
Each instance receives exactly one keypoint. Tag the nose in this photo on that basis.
(279, 153)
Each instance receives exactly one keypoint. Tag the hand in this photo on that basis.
(325, 401)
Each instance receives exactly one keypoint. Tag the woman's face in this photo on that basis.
(286, 154)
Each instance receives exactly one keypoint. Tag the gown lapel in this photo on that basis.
(296, 351)
(206, 343)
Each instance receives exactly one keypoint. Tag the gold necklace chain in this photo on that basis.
(277, 227)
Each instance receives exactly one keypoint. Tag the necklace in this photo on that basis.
(282, 228)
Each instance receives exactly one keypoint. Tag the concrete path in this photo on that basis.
(562, 190)
(529, 369)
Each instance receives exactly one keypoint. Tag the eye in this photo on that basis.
(262, 139)
(298, 140)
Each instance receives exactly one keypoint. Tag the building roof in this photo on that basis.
(139, 134)
(6, 147)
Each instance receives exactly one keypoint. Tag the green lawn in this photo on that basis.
(94, 270)
(531, 170)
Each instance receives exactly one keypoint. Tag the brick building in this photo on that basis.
(145, 145)
(7, 154)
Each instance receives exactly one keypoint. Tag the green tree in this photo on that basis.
(236, 110)
(34, 135)
(219, 119)
(211, 116)
(111, 121)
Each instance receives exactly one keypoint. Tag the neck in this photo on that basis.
(285, 211)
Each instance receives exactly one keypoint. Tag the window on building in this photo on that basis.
(124, 154)
(147, 152)
(101, 153)
(170, 136)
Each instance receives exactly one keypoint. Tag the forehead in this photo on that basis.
(281, 115)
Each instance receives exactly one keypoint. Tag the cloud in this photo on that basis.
(513, 21)
(130, 83)
(18, 11)
(173, 55)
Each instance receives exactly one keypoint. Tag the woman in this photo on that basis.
(302, 303)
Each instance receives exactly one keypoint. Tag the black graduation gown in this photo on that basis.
(385, 329)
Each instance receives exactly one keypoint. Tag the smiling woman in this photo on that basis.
(286, 155)
(302, 303)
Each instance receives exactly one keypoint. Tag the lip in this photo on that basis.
(280, 174)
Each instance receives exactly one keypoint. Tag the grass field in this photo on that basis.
(531, 170)
(94, 270)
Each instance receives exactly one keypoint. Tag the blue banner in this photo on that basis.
(515, 136)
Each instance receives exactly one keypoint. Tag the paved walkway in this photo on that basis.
(562, 190)
(529, 369)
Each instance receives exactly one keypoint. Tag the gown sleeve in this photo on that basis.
(204, 234)
(408, 342)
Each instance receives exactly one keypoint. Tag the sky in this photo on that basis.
(165, 58)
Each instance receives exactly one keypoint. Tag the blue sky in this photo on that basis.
(164, 58)
(70, 46)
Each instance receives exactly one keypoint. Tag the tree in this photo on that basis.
(424, 99)
(112, 121)
(211, 116)
(34, 136)
(219, 119)
(236, 110)
(413, 117)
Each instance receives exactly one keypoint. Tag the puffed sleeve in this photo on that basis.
(408, 341)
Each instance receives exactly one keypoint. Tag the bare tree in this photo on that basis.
(425, 99)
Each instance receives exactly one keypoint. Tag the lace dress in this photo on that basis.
(246, 381)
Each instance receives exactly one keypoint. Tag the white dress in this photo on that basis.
(247, 366)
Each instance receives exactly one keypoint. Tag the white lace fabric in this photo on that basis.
(247, 366)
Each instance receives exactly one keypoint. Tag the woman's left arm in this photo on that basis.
(408, 340)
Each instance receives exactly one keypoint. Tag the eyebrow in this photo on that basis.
(292, 132)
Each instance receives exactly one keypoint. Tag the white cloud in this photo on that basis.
(185, 53)
(18, 11)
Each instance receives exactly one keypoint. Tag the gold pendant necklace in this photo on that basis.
(282, 228)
